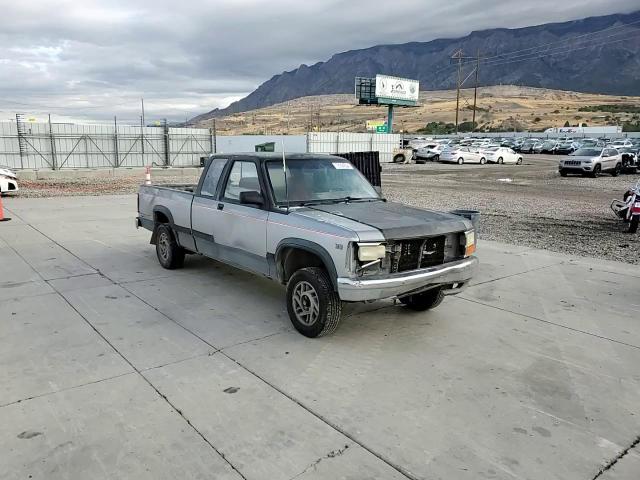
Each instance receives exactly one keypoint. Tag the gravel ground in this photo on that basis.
(527, 205)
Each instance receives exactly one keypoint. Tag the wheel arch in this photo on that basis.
(161, 215)
(311, 255)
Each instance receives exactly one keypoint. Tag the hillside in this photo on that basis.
(601, 63)
(503, 107)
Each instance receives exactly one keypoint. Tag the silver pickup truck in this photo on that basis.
(316, 226)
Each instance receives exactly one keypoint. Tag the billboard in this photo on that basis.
(396, 88)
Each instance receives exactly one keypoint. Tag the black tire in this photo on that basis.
(519, 161)
(303, 286)
(596, 171)
(500, 160)
(425, 300)
(616, 171)
(436, 158)
(460, 161)
(633, 224)
(483, 161)
(400, 158)
(169, 253)
(563, 173)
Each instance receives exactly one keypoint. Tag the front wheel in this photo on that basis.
(563, 173)
(596, 171)
(425, 300)
(399, 158)
(519, 162)
(633, 224)
(314, 306)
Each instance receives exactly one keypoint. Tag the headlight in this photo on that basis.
(368, 252)
(586, 161)
(470, 243)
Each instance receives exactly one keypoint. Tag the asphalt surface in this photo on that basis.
(115, 368)
(527, 204)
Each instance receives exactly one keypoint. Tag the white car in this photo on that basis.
(8, 180)
(617, 144)
(592, 161)
(502, 155)
(462, 155)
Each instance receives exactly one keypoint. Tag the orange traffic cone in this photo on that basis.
(2, 217)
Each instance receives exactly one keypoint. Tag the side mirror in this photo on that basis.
(251, 197)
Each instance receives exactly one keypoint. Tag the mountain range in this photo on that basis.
(595, 54)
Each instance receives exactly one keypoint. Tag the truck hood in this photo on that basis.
(395, 220)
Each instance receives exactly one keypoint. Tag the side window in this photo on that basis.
(243, 178)
(210, 182)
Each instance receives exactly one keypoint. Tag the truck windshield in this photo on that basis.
(318, 180)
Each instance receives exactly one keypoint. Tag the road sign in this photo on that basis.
(381, 128)
(373, 124)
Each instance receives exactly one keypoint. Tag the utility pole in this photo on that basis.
(458, 56)
(475, 91)
(142, 103)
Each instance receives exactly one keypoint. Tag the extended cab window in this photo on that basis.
(243, 178)
(210, 182)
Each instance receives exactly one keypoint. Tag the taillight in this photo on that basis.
(635, 208)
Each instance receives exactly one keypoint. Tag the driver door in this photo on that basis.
(241, 230)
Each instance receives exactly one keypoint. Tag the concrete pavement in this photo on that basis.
(112, 367)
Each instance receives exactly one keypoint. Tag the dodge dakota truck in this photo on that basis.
(315, 224)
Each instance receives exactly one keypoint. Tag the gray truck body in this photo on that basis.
(261, 238)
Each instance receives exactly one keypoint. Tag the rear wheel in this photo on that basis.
(170, 254)
(633, 224)
(314, 306)
(399, 158)
(500, 160)
(460, 161)
(519, 162)
(616, 171)
(483, 161)
(425, 300)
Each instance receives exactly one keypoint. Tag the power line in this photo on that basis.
(561, 49)
(506, 62)
(565, 40)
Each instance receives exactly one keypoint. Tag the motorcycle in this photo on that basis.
(628, 209)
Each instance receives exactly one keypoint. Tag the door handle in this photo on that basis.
(220, 206)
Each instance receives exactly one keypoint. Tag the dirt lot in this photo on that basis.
(529, 205)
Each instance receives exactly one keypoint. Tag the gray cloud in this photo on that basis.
(95, 59)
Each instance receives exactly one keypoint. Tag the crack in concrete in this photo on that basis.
(617, 458)
(549, 322)
(314, 464)
(73, 387)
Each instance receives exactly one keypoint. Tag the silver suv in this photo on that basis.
(592, 161)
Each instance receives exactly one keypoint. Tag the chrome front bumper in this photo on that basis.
(400, 284)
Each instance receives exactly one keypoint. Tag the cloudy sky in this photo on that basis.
(91, 59)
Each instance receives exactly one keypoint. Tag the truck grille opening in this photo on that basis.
(418, 253)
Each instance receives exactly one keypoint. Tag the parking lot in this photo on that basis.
(116, 368)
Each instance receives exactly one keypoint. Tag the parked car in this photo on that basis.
(592, 161)
(429, 153)
(315, 225)
(565, 148)
(8, 180)
(624, 143)
(502, 155)
(528, 145)
(462, 155)
(547, 147)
